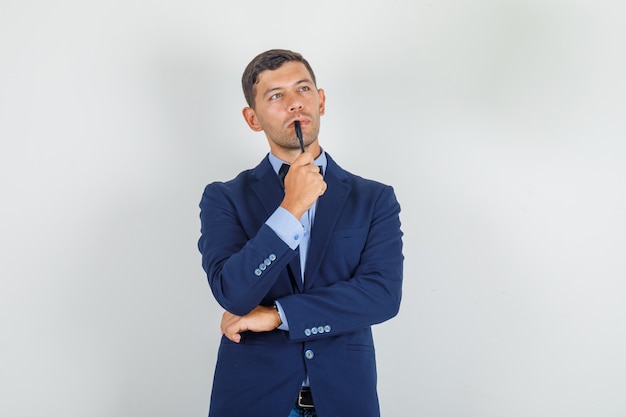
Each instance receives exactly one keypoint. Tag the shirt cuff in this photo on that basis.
(286, 226)
(284, 325)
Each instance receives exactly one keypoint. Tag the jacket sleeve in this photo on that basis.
(372, 292)
(242, 257)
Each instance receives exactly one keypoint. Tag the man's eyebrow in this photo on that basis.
(269, 90)
(304, 80)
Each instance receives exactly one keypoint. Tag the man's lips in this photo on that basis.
(303, 122)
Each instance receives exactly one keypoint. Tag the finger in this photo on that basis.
(234, 337)
(324, 187)
(314, 169)
(229, 321)
(304, 158)
(231, 331)
(225, 321)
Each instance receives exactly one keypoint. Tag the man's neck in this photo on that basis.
(290, 155)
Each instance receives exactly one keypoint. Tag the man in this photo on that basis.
(303, 269)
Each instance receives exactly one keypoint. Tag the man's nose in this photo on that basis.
(295, 104)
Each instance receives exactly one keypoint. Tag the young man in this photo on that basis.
(303, 267)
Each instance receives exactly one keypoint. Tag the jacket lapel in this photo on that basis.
(266, 186)
(329, 207)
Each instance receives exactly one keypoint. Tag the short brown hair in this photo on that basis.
(268, 60)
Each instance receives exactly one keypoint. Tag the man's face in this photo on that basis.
(283, 96)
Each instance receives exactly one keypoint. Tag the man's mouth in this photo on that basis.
(302, 122)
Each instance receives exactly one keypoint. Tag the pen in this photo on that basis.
(296, 124)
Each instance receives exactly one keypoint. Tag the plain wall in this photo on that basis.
(500, 125)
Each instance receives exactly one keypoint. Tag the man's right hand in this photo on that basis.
(303, 185)
(261, 319)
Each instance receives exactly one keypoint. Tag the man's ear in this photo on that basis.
(322, 95)
(253, 121)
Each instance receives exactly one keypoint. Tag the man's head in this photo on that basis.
(280, 88)
(268, 60)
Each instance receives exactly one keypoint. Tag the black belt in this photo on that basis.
(305, 399)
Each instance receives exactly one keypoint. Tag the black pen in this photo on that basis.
(296, 124)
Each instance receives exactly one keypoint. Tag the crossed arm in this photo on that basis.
(369, 262)
(261, 319)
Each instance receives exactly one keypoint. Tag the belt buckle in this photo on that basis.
(305, 399)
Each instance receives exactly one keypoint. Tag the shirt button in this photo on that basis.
(296, 237)
(309, 354)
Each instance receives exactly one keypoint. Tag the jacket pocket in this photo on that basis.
(358, 347)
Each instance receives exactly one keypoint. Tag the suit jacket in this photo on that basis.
(353, 279)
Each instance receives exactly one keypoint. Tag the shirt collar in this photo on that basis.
(321, 161)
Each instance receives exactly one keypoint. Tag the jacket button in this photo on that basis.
(327, 328)
(307, 332)
(258, 272)
(309, 354)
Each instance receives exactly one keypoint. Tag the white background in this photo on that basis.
(499, 123)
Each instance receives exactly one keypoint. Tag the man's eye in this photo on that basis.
(275, 96)
(304, 88)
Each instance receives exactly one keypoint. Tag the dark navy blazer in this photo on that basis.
(353, 279)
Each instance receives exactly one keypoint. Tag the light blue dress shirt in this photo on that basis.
(294, 232)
